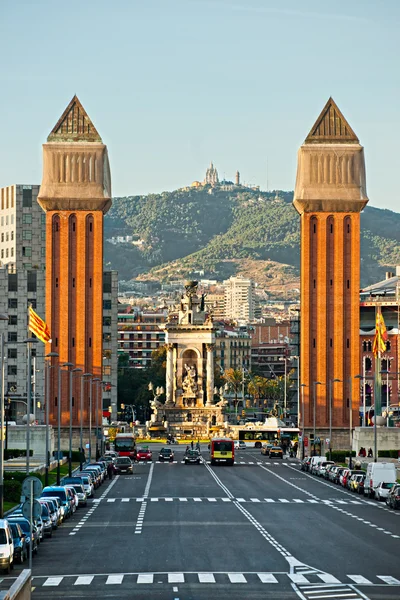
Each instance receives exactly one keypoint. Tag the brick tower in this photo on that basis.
(330, 193)
(75, 194)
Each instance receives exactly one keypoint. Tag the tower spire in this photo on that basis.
(74, 125)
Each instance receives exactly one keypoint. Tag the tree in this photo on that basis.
(258, 388)
(234, 379)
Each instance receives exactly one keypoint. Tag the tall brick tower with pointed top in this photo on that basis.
(330, 193)
(75, 194)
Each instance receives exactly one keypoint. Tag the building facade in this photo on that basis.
(329, 195)
(75, 194)
(239, 299)
(139, 334)
(232, 349)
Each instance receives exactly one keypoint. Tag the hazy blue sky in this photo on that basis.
(172, 84)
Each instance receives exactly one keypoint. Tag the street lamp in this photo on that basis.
(298, 387)
(315, 383)
(97, 380)
(69, 365)
(28, 342)
(285, 359)
(351, 416)
(81, 418)
(303, 385)
(331, 382)
(49, 366)
(2, 375)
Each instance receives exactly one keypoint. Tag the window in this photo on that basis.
(106, 321)
(12, 320)
(43, 236)
(2, 254)
(106, 304)
(31, 281)
(388, 345)
(27, 219)
(107, 354)
(12, 236)
(106, 337)
(2, 237)
(6, 252)
(13, 303)
(26, 251)
(27, 234)
(12, 252)
(13, 282)
(27, 198)
(12, 353)
(7, 237)
(12, 369)
(32, 301)
(43, 219)
(107, 282)
(12, 336)
(43, 252)
(364, 346)
(106, 370)
(12, 218)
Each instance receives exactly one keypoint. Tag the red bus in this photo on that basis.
(222, 451)
(125, 445)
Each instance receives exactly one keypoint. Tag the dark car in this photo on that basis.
(123, 464)
(26, 529)
(47, 522)
(166, 454)
(192, 457)
(276, 452)
(305, 465)
(393, 499)
(20, 546)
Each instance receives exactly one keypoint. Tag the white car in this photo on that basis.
(382, 490)
(240, 445)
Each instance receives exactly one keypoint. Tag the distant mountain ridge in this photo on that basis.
(220, 231)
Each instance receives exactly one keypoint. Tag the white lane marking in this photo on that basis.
(298, 578)
(267, 578)
(176, 578)
(212, 499)
(269, 500)
(53, 581)
(255, 499)
(226, 500)
(125, 499)
(183, 499)
(388, 579)
(110, 499)
(149, 478)
(154, 499)
(327, 578)
(206, 578)
(197, 499)
(283, 500)
(298, 501)
(114, 579)
(84, 580)
(237, 578)
(168, 499)
(145, 578)
(240, 500)
(360, 579)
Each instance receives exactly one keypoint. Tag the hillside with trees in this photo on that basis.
(223, 232)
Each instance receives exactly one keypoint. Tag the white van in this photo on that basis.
(376, 473)
(315, 460)
(6, 546)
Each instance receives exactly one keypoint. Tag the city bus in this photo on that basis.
(255, 437)
(222, 451)
(125, 445)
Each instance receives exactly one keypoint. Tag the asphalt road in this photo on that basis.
(260, 529)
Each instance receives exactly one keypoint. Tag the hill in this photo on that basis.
(226, 232)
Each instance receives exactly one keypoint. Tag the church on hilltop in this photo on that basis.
(212, 179)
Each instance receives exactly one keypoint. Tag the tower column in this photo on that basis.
(169, 391)
(210, 374)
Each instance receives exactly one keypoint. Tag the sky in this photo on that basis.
(173, 84)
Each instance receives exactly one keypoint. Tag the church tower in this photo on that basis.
(329, 195)
(75, 194)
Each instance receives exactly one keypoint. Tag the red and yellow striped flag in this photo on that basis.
(381, 335)
(38, 327)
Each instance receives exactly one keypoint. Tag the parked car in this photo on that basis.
(305, 465)
(240, 445)
(266, 448)
(6, 546)
(26, 528)
(276, 452)
(393, 498)
(47, 522)
(52, 508)
(166, 454)
(19, 541)
(382, 490)
(322, 466)
(314, 462)
(123, 464)
(338, 474)
(61, 493)
(81, 494)
(377, 472)
(192, 457)
(354, 482)
(350, 475)
(144, 453)
(59, 508)
(73, 496)
(328, 470)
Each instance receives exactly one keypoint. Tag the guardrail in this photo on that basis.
(21, 589)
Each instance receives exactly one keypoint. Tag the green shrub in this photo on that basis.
(388, 453)
(15, 453)
(76, 455)
(340, 456)
(12, 490)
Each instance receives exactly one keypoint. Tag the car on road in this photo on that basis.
(393, 498)
(276, 452)
(87, 484)
(322, 466)
(305, 465)
(266, 448)
(240, 445)
(6, 546)
(123, 464)
(26, 528)
(382, 490)
(377, 472)
(47, 521)
(192, 457)
(143, 453)
(355, 480)
(19, 541)
(166, 454)
(61, 493)
(80, 492)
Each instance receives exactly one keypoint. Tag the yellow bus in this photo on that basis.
(222, 451)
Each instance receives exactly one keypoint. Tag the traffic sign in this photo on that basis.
(36, 509)
(306, 441)
(34, 484)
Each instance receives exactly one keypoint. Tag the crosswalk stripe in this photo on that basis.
(298, 578)
(388, 579)
(237, 578)
(183, 499)
(312, 501)
(226, 500)
(327, 578)
(154, 499)
(84, 580)
(124, 499)
(114, 579)
(267, 578)
(197, 499)
(240, 500)
(255, 499)
(110, 499)
(53, 581)
(212, 499)
(283, 500)
(359, 579)
(145, 578)
(176, 578)
(298, 501)
(269, 500)
(206, 578)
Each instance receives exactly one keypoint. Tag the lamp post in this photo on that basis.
(49, 366)
(81, 418)
(28, 342)
(298, 388)
(69, 365)
(97, 380)
(351, 415)
(364, 390)
(315, 383)
(331, 382)
(2, 373)
(284, 358)
(59, 422)
(303, 385)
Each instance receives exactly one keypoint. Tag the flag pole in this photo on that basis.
(377, 385)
